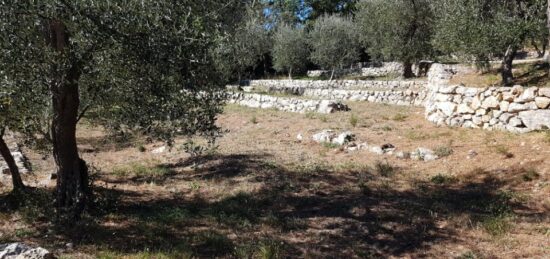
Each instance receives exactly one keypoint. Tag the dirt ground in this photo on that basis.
(263, 194)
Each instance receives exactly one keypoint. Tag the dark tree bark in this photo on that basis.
(72, 182)
(407, 69)
(506, 67)
(8, 157)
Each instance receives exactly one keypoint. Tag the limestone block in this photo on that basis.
(536, 120)
(542, 102)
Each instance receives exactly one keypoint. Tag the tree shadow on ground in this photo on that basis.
(305, 213)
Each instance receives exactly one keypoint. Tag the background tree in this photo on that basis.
(335, 42)
(242, 48)
(290, 50)
(322, 7)
(398, 30)
(479, 29)
(141, 64)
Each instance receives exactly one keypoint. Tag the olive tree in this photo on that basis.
(141, 64)
(334, 41)
(480, 29)
(399, 30)
(290, 50)
(242, 48)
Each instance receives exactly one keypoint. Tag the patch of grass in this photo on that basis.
(530, 175)
(547, 136)
(384, 168)
(330, 145)
(269, 249)
(23, 233)
(353, 120)
(141, 170)
(496, 225)
(195, 186)
(254, 120)
(443, 151)
(468, 255)
(443, 179)
(323, 118)
(399, 117)
(415, 135)
(141, 148)
(503, 150)
(386, 128)
(310, 115)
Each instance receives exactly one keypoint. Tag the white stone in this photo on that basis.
(22, 251)
(476, 103)
(464, 108)
(376, 149)
(536, 120)
(515, 122)
(504, 105)
(448, 108)
(517, 107)
(325, 136)
(159, 150)
(344, 138)
(490, 102)
(544, 92)
(542, 102)
(527, 96)
(505, 117)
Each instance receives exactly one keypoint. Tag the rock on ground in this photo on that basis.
(22, 251)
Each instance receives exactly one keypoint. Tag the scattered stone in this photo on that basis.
(424, 154)
(159, 150)
(22, 251)
(388, 148)
(248, 89)
(325, 136)
(344, 138)
(327, 106)
(300, 137)
(376, 150)
(471, 154)
(403, 155)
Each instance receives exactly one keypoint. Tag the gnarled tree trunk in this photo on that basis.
(72, 182)
(507, 64)
(8, 157)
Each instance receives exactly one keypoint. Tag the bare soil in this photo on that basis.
(264, 194)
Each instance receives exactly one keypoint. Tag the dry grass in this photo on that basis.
(263, 194)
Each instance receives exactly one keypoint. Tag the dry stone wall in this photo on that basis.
(285, 103)
(516, 109)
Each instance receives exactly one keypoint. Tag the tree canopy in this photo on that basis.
(290, 49)
(334, 41)
(397, 30)
(135, 64)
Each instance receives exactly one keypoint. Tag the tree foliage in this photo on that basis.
(137, 65)
(480, 29)
(242, 48)
(398, 30)
(290, 50)
(334, 41)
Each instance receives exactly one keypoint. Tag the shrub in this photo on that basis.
(353, 120)
(443, 151)
(384, 168)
